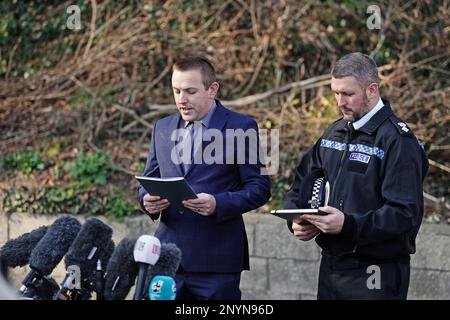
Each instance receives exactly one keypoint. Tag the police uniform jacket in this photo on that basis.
(376, 175)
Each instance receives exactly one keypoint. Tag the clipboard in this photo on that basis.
(290, 214)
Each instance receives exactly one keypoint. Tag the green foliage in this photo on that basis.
(84, 97)
(91, 168)
(84, 193)
(81, 98)
(27, 26)
(27, 162)
(118, 207)
(70, 198)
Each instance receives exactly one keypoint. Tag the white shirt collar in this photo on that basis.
(361, 122)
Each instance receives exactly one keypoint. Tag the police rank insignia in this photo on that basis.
(403, 126)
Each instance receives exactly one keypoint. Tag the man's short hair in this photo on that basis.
(197, 63)
(357, 65)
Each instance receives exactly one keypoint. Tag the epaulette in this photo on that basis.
(402, 127)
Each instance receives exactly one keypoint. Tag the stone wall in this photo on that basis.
(282, 267)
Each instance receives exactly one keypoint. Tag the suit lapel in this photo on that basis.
(173, 125)
(219, 117)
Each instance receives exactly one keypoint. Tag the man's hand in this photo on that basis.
(304, 230)
(331, 223)
(154, 204)
(205, 204)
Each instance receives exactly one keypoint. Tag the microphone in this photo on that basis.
(99, 280)
(50, 249)
(93, 242)
(99, 275)
(121, 271)
(43, 289)
(167, 264)
(162, 288)
(16, 252)
(146, 252)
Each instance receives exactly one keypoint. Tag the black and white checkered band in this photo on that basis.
(315, 199)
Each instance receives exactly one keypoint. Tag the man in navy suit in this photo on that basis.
(228, 182)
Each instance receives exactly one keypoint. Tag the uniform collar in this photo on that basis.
(378, 118)
(361, 122)
(373, 123)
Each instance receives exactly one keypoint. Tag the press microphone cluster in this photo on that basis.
(87, 250)
(48, 252)
(90, 250)
(147, 260)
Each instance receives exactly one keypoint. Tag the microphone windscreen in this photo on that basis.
(16, 252)
(107, 254)
(167, 264)
(162, 288)
(121, 271)
(91, 244)
(54, 244)
(147, 249)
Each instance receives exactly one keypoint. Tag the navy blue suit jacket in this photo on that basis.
(216, 243)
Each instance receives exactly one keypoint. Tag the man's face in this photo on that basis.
(192, 99)
(351, 98)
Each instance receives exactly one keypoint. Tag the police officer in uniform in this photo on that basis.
(375, 167)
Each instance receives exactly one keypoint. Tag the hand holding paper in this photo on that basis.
(154, 204)
(205, 204)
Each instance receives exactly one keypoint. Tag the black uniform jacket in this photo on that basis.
(376, 175)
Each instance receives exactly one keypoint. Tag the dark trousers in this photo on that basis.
(343, 278)
(207, 286)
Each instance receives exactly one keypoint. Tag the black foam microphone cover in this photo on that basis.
(121, 271)
(167, 264)
(107, 253)
(93, 242)
(54, 244)
(16, 252)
